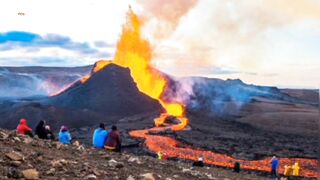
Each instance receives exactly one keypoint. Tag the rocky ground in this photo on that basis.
(26, 158)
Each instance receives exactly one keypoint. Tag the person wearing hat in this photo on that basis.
(23, 128)
(64, 135)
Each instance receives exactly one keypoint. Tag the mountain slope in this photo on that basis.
(51, 160)
(110, 91)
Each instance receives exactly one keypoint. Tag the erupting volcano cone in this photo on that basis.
(111, 91)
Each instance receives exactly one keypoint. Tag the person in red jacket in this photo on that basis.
(113, 141)
(24, 129)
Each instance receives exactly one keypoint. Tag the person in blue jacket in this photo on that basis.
(64, 135)
(275, 167)
(100, 136)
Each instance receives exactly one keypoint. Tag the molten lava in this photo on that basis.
(173, 148)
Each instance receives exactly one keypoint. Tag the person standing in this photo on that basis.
(275, 167)
(113, 141)
(295, 169)
(100, 136)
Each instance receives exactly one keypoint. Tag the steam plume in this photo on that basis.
(166, 15)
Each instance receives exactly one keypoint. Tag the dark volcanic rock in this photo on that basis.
(111, 91)
(67, 162)
(107, 96)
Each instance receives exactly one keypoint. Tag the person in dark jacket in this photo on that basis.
(23, 128)
(113, 141)
(100, 136)
(40, 130)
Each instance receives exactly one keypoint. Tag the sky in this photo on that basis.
(264, 42)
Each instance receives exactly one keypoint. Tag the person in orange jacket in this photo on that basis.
(23, 128)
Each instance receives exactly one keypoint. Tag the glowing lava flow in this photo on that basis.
(175, 149)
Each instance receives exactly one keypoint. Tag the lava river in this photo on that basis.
(175, 149)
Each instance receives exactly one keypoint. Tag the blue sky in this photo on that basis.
(267, 42)
(30, 44)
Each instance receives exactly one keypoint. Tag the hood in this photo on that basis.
(23, 121)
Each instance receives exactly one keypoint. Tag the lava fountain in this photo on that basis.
(135, 53)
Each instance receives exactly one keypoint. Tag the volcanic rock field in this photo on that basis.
(226, 116)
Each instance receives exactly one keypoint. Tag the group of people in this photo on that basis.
(289, 171)
(101, 137)
(108, 140)
(43, 131)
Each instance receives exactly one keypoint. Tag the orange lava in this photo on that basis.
(173, 148)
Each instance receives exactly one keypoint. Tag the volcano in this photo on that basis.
(108, 95)
(110, 91)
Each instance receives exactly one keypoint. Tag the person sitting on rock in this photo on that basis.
(64, 135)
(100, 136)
(50, 134)
(198, 163)
(113, 141)
(40, 130)
(23, 128)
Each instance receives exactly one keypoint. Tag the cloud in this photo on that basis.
(18, 39)
(20, 48)
(45, 61)
(103, 44)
